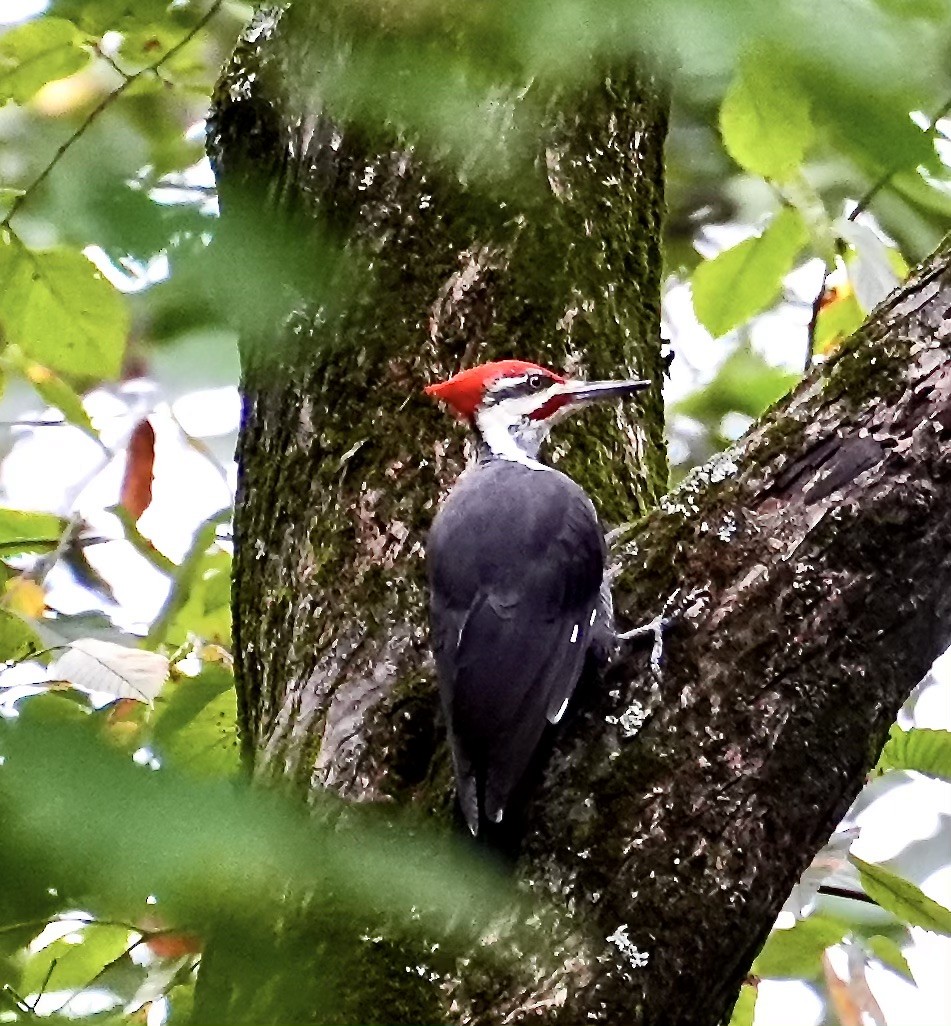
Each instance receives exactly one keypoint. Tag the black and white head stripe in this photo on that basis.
(518, 387)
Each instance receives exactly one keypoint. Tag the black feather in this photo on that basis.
(516, 560)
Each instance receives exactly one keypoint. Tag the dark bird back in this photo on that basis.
(516, 559)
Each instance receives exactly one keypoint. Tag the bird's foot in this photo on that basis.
(656, 627)
(653, 628)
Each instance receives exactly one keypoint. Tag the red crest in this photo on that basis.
(464, 391)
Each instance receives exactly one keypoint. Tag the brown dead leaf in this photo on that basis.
(136, 491)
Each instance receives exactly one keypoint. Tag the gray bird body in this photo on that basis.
(516, 560)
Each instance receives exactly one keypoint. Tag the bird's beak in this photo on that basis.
(578, 392)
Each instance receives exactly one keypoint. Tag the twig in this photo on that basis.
(102, 972)
(46, 982)
(846, 892)
(44, 564)
(103, 104)
(814, 319)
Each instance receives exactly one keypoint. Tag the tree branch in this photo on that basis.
(823, 545)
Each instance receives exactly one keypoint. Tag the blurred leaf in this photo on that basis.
(114, 669)
(99, 16)
(7, 196)
(764, 118)
(928, 192)
(832, 858)
(87, 815)
(56, 705)
(920, 749)
(796, 953)
(870, 271)
(136, 492)
(195, 725)
(874, 127)
(746, 384)
(839, 316)
(933, 10)
(61, 311)
(902, 898)
(17, 638)
(890, 954)
(37, 52)
(146, 44)
(52, 389)
(745, 1007)
(23, 531)
(191, 566)
(207, 610)
(845, 996)
(745, 279)
(25, 596)
(74, 960)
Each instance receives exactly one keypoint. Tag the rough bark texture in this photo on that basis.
(810, 567)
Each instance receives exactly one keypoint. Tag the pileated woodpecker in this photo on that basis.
(516, 560)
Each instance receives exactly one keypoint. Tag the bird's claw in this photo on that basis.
(653, 628)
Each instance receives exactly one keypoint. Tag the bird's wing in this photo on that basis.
(511, 625)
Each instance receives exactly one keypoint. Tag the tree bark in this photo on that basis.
(807, 569)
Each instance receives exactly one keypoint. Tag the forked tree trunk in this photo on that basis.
(809, 568)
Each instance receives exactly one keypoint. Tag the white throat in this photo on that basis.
(516, 440)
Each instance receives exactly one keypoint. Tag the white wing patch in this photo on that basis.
(561, 712)
(574, 634)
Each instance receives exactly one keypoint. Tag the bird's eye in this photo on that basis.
(537, 381)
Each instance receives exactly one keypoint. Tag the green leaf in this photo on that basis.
(74, 960)
(921, 750)
(24, 531)
(872, 127)
(195, 723)
(99, 16)
(765, 119)
(745, 279)
(40, 51)
(80, 811)
(903, 899)
(207, 610)
(52, 389)
(189, 571)
(17, 638)
(796, 953)
(746, 384)
(61, 311)
(932, 10)
(889, 954)
(837, 320)
(55, 706)
(745, 1007)
(927, 192)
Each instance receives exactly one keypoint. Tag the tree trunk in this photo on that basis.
(808, 569)
(341, 457)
